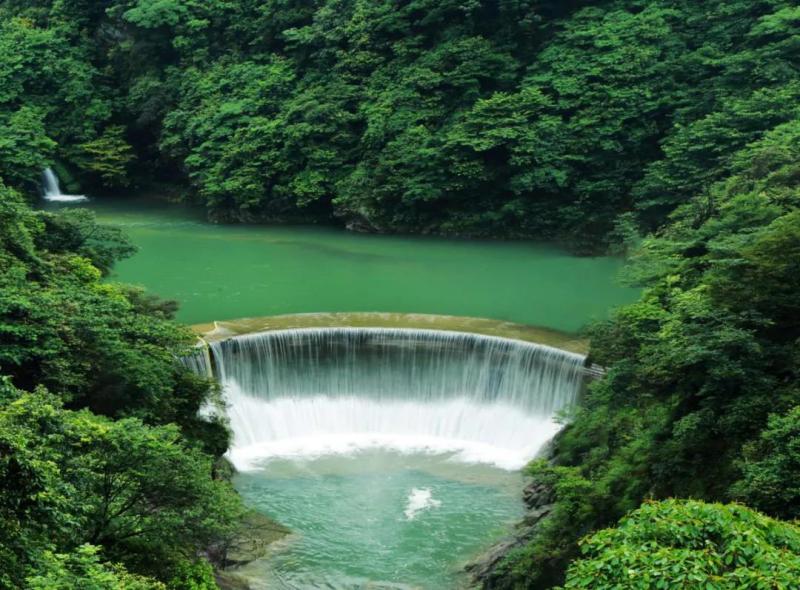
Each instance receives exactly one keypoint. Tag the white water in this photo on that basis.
(52, 190)
(313, 392)
(418, 500)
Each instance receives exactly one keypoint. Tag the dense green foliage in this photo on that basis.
(702, 393)
(78, 482)
(673, 545)
(770, 466)
(88, 501)
(515, 118)
(53, 102)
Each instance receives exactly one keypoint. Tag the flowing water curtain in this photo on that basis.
(199, 361)
(333, 389)
(400, 364)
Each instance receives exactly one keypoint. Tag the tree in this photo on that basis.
(108, 157)
(81, 492)
(771, 468)
(82, 570)
(74, 482)
(696, 367)
(52, 99)
(25, 147)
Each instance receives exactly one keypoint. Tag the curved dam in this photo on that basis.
(318, 391)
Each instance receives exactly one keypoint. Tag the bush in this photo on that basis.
(676, 544)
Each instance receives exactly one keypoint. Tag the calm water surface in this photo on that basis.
(220, 272)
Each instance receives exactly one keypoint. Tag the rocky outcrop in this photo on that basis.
(485, 570)
(251, 541)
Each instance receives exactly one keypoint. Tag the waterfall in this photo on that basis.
(199, 361)
(326, 390)
(52, 190)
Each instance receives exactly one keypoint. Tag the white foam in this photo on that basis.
(418, 500)
(66, 198)
(288, 428)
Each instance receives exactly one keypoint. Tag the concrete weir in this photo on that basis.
(222, 330)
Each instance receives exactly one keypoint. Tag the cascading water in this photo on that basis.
(440, 421)
(198, 362)
(52, 190)
(331, 390)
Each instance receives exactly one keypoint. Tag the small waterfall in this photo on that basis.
(52, 190)
(314, 391)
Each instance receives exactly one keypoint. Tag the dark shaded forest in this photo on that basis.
(573, 121)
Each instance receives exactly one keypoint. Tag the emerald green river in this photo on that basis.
(221, 272)
(396, 461)
(378, 519)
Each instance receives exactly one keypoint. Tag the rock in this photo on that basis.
(537, 495)
(538, 498)
(230, 581)
(482, 568)
(250, 541)
(360, 223)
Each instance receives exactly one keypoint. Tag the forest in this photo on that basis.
(666, 131)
